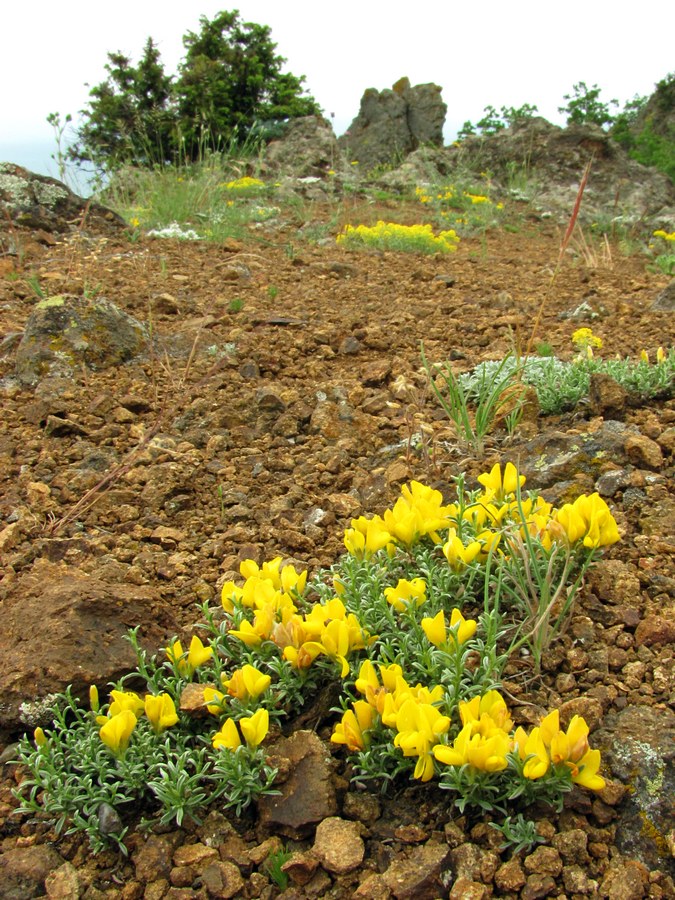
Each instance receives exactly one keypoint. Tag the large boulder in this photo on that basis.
(393, 123)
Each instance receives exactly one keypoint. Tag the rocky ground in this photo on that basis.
(277, 396)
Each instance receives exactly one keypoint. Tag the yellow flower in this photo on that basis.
(292, 580)
(366, 537)
(585, 772)
(532, 751)
(247, 683)
(247, 634)
(588, 518)
(229, 594)
(419, 725)
(487, 754)
(407, 594)
(583, 338)
(369, 685)
(161, 712)
(457, 554)
(197, 655)
(419, 512)
(227, 737)
(117, 730)
(245, 185)
(486, 714)
(353, 729)
(215, 700)
(39, 737)
(269, 571)
(93, 698)
(461, 629)
(660, 355)
(302, 657)
(255, 727)
(502, 487)
(122, 700)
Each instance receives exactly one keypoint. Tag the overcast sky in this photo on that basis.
(499, 53)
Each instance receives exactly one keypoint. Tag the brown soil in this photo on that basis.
(275, 389)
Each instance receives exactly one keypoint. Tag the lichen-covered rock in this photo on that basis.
(666, 299)
(638, 747)
(64, 333)
(41, 202)
(618, 187)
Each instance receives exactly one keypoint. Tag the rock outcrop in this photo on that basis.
(393, 123)
(40, 202)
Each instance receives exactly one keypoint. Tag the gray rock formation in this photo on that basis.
(549, 161)
(393, 123)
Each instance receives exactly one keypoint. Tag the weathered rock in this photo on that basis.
(338, 845)
(61, 627)
(308, 147)
(643, 451)
(615, 582)
(152, 859)
(510, 876)
(665, 301)
(23, 871)
(418, 876)
(373, 887)
(63, 883)
(222, 880)
(544, 861)
(307, 793)
(64, 333)
(301, 867)
(624, 882)
(607, 397)
(392, 123)
(559, 457)
(638, 746)
(656, 630)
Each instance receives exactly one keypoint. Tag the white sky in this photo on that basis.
(493, 52)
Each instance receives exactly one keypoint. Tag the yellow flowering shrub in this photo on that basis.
(413, 627)
(392, 236)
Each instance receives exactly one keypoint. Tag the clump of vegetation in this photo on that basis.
(423, 589)
(664, 245)
(229, 89)
(493, 121)
(645, 127)
(392, 236)
(470, 209)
